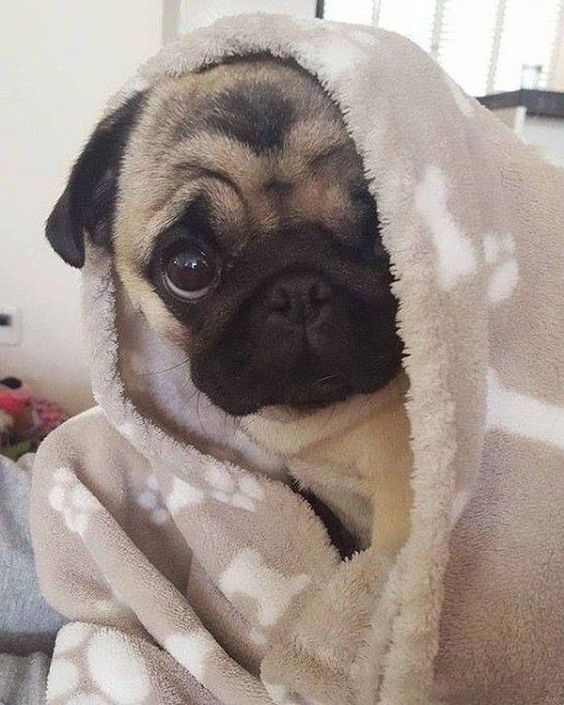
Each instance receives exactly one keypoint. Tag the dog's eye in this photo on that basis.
(189, 273)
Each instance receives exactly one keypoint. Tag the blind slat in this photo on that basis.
(482, 44)
(467, 41)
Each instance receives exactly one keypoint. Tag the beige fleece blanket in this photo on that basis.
(191, 572)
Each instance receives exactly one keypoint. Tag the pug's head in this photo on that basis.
(241, 225)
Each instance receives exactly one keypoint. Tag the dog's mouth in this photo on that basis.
(303, 336)
(299, 397)
(316, 394)
(302, 392)
(265, 359)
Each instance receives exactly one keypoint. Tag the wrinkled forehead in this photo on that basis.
(256, 101)
(259, 138)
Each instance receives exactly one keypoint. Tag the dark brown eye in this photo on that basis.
(189, 273)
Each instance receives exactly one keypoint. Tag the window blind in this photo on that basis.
(413, 19)
(466, 42)
(485, 45)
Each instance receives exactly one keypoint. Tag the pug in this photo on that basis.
(241, 225)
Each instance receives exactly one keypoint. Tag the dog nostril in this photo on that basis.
(319, 294)
(280, 301)
(299, 299)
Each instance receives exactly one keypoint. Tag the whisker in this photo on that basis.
(225, 421)
(189, 399)
(251, 421)
(191, 395)
(329, 419)
(168, 369)
(328, 377)
(198, 411)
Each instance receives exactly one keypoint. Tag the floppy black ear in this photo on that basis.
(88, 202)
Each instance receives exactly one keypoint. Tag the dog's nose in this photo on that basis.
(298, 298)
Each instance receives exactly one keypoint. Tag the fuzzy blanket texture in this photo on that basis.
(189, 570)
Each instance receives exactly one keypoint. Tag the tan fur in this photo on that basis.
(164, 170)
(354, 455)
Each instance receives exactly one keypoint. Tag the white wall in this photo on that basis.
(60, 61)
(200, 12)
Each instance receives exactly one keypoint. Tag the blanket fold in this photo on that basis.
(190, 570)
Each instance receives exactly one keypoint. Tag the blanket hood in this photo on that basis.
(472, 227)
(430, 202)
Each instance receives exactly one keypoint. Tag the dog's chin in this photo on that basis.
(247, 402)
(298, 396)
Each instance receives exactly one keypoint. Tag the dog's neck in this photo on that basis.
(355, 457)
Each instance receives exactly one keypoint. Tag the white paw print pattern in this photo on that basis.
(150, 499)
(243, 491)
(247, 575)
(64, 674)
(499, 253)
(524, 415)
(183, 495)
(69, 497)
(192, 650)
(456, 259)
(117, 669)
(335, 52)
(103, 658)
(64, 678)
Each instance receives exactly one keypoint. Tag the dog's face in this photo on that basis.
(243, 228)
